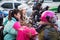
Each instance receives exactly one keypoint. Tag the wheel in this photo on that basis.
(58, 9)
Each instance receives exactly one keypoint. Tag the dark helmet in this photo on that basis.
(38, 4)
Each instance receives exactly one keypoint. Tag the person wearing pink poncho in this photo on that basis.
(24, 32)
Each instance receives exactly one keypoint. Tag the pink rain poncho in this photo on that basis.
(24, 32)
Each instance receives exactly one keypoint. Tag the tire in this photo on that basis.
(58, 9)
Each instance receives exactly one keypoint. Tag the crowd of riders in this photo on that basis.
(41, 25)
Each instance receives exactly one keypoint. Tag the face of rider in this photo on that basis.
(17, 16)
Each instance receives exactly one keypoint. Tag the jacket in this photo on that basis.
(9, 32)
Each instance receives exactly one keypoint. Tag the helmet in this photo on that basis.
(48, 16)
(23, 6)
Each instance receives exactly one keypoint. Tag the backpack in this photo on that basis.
(45, 32)
(50, 33)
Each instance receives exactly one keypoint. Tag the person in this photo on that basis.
(9, 32)
(23, 8)
(37, 9)
(44, 9)
(1, 27)
(34, 16)
(47, 29)
(29, 10)
(23, 31)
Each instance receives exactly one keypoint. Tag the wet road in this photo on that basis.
(58, 14)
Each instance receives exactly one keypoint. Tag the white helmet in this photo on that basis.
(23, 6)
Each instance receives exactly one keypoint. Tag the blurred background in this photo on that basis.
(6, 5)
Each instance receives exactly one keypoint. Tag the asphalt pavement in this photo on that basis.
(58, 14)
